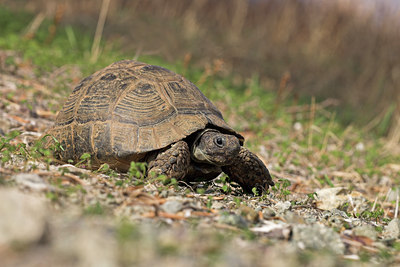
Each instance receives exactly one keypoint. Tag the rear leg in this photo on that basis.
(173, 162)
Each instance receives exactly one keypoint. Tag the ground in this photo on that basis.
(333, 202)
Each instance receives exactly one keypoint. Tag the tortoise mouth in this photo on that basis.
(198, 154)
(213, 147)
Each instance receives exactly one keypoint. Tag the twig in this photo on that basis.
(374, 205)
(99, 30)
(388, 193)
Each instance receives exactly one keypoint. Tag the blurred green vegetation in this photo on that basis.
(307, 134)
(335, 49)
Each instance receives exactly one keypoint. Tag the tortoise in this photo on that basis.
(132, 111)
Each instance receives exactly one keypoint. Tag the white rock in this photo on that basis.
(31, 181)
(23, 218)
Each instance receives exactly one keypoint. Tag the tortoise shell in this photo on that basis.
(120, 113)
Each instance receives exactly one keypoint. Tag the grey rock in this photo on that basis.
(331, 198)
(292, 217)
(31, 181)
(317, 237)
(87, 242)
(366, 230)
(281, 207)
(268, 213)
(232, 219)
(217, 205)
(392, 230)
(172, 206)
(248, 213)
(23, 218)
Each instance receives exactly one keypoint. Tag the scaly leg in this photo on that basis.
(249, 171)
(173, 162)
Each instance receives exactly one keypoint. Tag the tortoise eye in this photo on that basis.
(219, 141)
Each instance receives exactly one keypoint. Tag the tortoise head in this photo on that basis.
(214, 147)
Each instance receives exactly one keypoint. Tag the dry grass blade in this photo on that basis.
(397, 204)
(99, 30)
(34, 25)
(310, 130)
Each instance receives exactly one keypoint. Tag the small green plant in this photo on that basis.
(200, 191)
(237, 201)
(255, 191)
(105, 169)
(52, 196)
(7, 149)
(209, 202)
(137, 170)
(281, 188)
(95, 209)
(226, 187)
(85, 158)
(311, 197)
(75, 189)
(376, 214)
(326, 180)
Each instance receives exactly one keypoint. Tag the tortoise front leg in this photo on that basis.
(173, 162)
(249, 171)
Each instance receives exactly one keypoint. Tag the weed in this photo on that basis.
(105, 169)
(237, 201)
(209, 202)
(7, 149)
(85, 158)
(137, 170)
(95, 209)
(281, 188)
(224, 180)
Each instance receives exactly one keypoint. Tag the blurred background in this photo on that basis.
(343, 53)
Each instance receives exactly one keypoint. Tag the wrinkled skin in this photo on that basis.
(211, 153)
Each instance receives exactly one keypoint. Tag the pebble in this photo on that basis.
(172, 206)
(281, 207)
(268, 212)
(232, 219)
(31, 181)
(392, 230)
(317, 236)
(366, 230)
(250, 214)
(23, 217)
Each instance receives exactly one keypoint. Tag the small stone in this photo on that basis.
(281, 207)
(23, 218)
(366, 230)
(317, 237)
(31, 181)
(292, 217)
(360, 146)
(330, 198)
(232, 219)
(87, 242)
(268, 213)
(392, 230)
(297, 126)
(250, 214)
(216, 205)
(172, 206)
